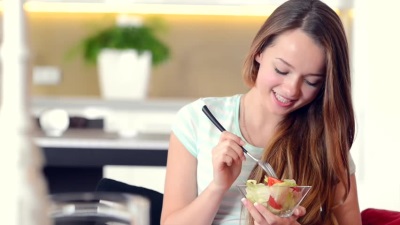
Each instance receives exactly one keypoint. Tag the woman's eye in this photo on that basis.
(313, 84)
(280, 72)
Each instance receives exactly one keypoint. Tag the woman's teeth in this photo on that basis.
(281, 99)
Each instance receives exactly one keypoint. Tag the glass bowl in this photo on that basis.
(99, 208)
(280, 200)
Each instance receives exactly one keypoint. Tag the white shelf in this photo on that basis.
(97, 139)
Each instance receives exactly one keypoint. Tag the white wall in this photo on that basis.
(376, 67)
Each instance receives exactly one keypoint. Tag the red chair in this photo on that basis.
(373, 216)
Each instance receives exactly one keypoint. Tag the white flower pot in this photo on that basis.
(54, 122)
(124, 74)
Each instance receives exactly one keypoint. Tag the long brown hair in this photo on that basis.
(311, 144)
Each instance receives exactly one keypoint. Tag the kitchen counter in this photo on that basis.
(74, 161)
(94, 147)
(98, 139)
(150, 116)
(83, 106)
(79, 158)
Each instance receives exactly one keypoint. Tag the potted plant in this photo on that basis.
(124, 54)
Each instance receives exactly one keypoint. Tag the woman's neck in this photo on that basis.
(257, 124)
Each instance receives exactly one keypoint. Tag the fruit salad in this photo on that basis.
(277, 195)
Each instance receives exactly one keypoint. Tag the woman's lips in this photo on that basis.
(282, 101)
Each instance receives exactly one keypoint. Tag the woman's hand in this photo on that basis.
(262, 216)
(227, 157)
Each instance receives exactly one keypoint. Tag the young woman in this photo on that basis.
(297, 115)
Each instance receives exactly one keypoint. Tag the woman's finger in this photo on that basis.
(299, 212)
(234, 154)
(224, 154)
(273, 219)
(230, 144)
(267, 216)
(258, 218)
(262, 215)
(230, 136)
(228, 159)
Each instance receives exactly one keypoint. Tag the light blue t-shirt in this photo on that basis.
(199, 135)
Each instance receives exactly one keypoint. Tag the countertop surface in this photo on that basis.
(98, 139)
(82, 106)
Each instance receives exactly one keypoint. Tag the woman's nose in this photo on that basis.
(292, 87)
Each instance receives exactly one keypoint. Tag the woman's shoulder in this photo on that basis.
(220, 102)
(215, 104)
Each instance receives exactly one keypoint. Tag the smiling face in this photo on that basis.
(291, 72)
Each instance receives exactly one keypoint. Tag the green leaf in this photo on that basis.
(125, 37)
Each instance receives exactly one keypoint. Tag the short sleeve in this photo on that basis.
(185, 127)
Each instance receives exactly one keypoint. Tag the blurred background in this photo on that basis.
(207, 52)
(208, 42)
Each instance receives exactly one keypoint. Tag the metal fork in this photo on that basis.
(264, 165)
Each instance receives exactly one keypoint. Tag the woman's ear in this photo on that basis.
(258, 57)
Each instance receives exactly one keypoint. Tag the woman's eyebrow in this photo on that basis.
(288, 64)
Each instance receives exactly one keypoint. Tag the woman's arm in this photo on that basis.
(181, 204)
(349, 212)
